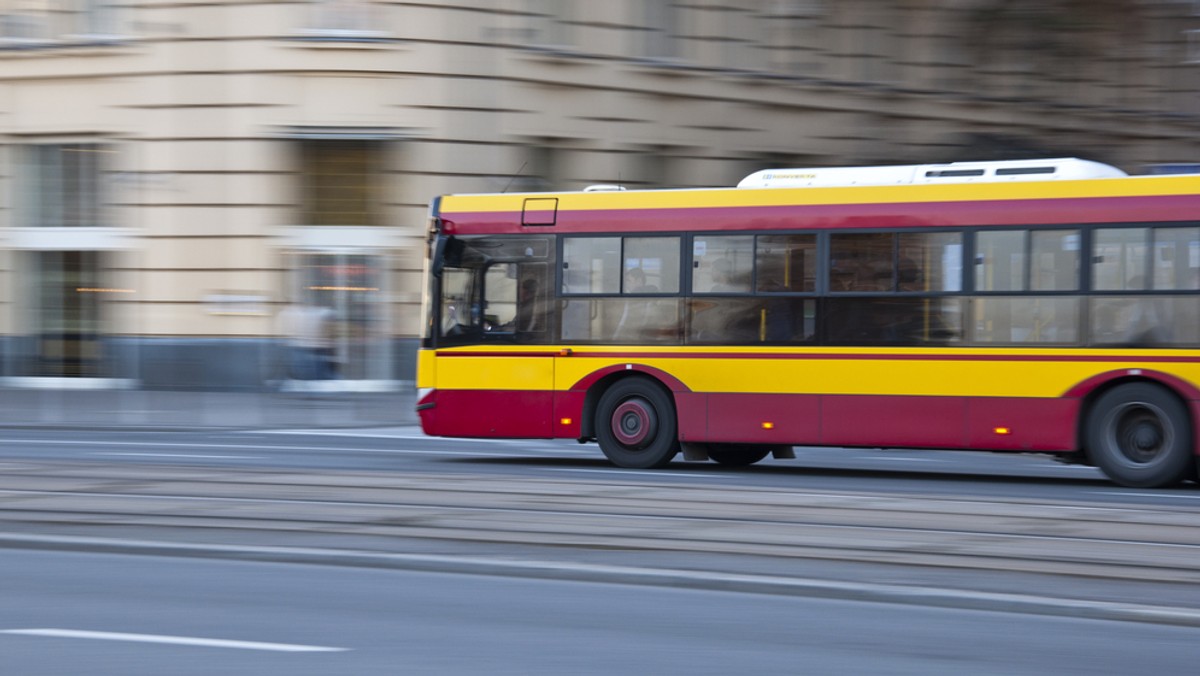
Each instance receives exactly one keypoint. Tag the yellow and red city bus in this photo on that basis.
(1047, 306)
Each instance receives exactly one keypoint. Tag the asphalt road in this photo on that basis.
(407, 450)
(106, 615)
(329, 538)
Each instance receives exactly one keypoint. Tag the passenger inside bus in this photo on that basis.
(531, 314)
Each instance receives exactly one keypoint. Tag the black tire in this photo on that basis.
(636, 426)
(738, 455)
(1140, 435)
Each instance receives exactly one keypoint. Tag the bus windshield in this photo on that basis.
(493, 288)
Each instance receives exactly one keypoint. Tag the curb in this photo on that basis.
(683, 579)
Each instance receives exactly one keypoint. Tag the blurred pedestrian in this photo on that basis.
(308, 330)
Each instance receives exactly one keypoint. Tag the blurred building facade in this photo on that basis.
(175, 174)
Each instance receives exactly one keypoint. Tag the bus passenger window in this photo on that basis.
(1001, 263)
(1025, 319)
(930, 262)
(722, 263)
(733, 321)
(748, 321)
(1119, 259)
(1055, 261)
(862, 262)
(893, 321)
(657, 261)
(621, 321)
(1145, 321)
(1176, 259)
(786, 263)
(591, 265)
(1000, 260)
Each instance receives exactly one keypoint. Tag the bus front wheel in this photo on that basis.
(1140, 436)
(636, 426)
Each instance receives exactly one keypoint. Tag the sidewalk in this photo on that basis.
(118, 408)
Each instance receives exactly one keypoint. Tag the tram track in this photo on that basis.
(385, 509)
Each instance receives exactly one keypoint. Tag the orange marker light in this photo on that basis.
(768, 426)
(566, 421)
(1003, 431)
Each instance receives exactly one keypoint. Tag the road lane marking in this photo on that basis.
(180, 455)
(640, 474)
(173, 640)
(336, 503)
(1151, 495)
(399, 434)
(566, 448)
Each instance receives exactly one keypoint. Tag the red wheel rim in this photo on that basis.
(633, 422)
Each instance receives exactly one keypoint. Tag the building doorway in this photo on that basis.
(349, 288)
(67, 308)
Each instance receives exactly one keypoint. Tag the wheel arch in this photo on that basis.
(599, 382)
(1090, 390)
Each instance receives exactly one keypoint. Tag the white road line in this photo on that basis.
(349, 432)
(638, 473)
(173, 640)
(566, 448)
(1151, 495)
(198, 498)
(180, 455)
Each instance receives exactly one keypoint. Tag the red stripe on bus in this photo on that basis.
(1047, 211)
(627, 356)
(475, 353)
(888, 421)
(979, 423)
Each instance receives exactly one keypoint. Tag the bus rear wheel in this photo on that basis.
(636, 426)
(1140, 435)
(738, 455)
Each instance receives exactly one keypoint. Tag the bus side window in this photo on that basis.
(722, 263)
(786, 263)
(1176, 259)
(1054, 265)
(862, 262)
(534, 313)
(650, 265)
(1000, 260)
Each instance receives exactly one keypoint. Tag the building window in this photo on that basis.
(344, 19)
(341, 182)
(65, 19)
(60, 185)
